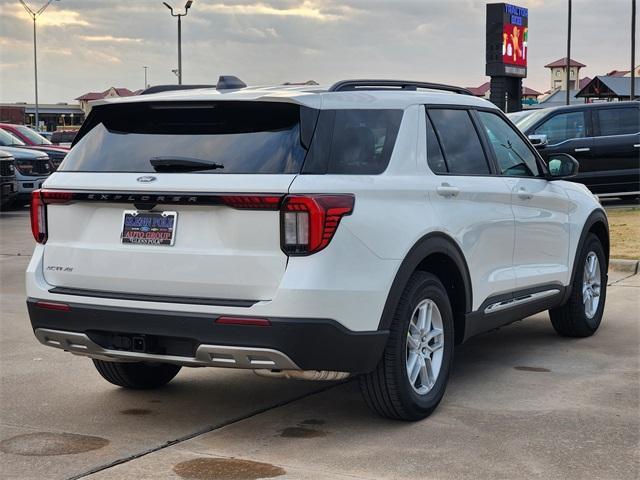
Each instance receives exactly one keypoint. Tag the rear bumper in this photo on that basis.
(194, 339)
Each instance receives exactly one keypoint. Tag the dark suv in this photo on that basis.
(8, 182)
(603, 137)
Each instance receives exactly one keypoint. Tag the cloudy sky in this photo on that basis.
(90, 45)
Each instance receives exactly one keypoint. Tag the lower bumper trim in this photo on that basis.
(206, 355)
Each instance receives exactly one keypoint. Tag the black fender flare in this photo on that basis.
(597, 216)
(435, 242)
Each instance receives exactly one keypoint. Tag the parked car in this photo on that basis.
(311, 233)
(63, 137)
(32, 167)
(8, 182)
(603, 137)
(46, 135)
(55, 154)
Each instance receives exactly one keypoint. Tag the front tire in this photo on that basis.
(412, 375)
(139, 375)
(582, 314)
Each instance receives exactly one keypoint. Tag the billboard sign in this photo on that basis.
(507, 40)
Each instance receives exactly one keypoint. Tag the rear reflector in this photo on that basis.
(256, 322)
(53, 306)
(308, 222)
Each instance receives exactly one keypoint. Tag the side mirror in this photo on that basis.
(538, 141)
(562, 165)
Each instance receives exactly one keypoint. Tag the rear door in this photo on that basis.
(616, 149)
(471, 202)
(540, 207)
(216, 171)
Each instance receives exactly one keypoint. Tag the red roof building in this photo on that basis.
(484, 91)
(558, 70)
(109, 93)
(562, 62)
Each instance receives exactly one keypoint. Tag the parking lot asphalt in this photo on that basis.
(521, 403)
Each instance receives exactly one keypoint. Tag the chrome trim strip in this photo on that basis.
(142, 297)
(513, 302)
(605, 195)
(206, 355)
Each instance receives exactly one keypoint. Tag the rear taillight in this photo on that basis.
(252, 202)
(38, 217)
(308, 222)
(39, 201)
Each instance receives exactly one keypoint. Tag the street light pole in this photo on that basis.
(35, 14)
(179, 50)
(145, 77)
(187, 6)
(569, 54)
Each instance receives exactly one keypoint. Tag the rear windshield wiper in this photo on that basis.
(182, 164)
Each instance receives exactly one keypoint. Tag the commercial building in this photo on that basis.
(52, 117)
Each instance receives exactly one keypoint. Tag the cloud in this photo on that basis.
(106, 42)
(52, 17)
(305, 9)
(109, 39)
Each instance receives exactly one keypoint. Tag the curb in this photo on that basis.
(629, 266)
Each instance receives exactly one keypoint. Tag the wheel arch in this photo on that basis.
(439, 254)
(597, 224)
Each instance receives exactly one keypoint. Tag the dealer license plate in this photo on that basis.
(148, 228)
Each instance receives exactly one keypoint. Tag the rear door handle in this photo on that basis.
(446, 190)
(585, 149)
(524, 194)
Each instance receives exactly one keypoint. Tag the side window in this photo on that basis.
(435, 159)
(353, 142)
(363, 140)
(513, 155)
(461, 146)
(563, 126)
(619, 121)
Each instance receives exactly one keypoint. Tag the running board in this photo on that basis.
(522, 299)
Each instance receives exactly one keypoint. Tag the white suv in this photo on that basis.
(308, 232)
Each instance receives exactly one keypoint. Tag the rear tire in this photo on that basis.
(388, 390)
(138, 375)
(582, 314)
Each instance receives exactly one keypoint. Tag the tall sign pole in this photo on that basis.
(507, 53)
(569, 55)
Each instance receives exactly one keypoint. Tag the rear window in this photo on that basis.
(212, 138)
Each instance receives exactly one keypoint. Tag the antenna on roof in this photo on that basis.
(229, 82)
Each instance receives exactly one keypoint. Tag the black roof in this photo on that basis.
(596, 105)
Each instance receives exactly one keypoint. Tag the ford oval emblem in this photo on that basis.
(147, 179)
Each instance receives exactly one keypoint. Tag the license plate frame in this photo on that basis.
(143, 226)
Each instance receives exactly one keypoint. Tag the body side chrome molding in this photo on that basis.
(519, 300)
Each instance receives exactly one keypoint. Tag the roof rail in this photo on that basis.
(347, 85)
(169, 88)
